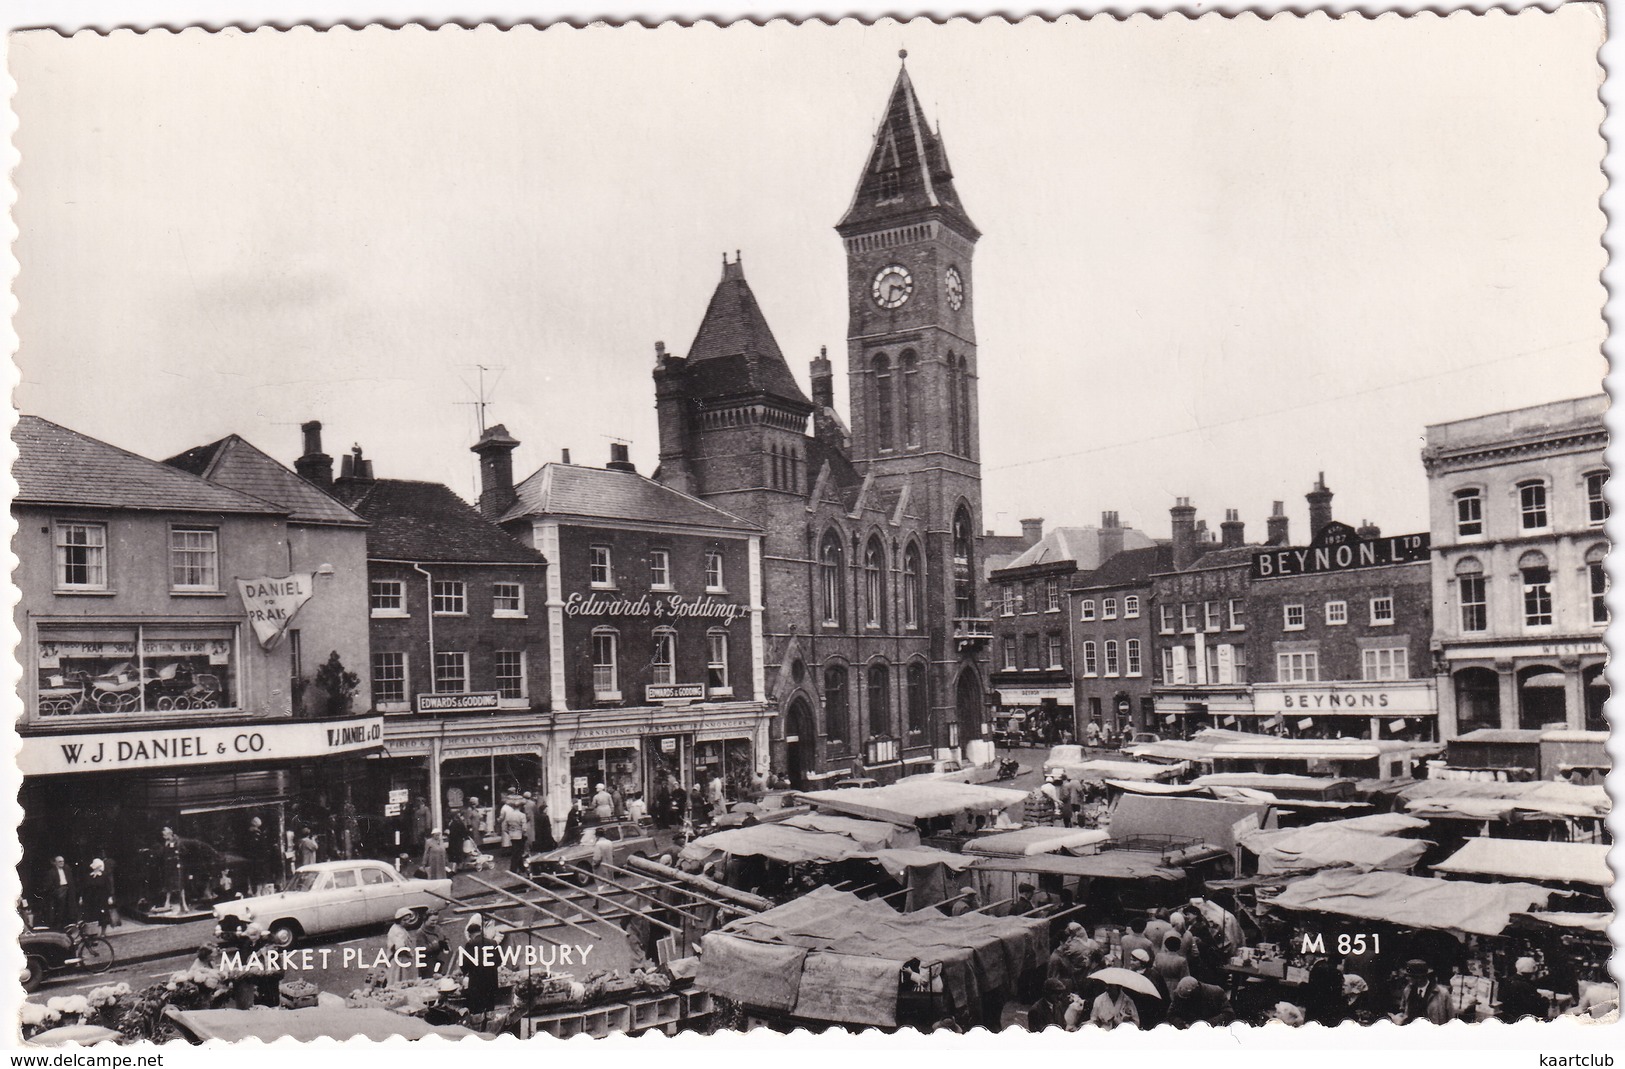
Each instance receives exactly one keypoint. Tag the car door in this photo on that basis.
(382, 893)
(343, 907)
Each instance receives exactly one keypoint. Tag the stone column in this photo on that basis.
(1509, 694)
(1574, 697)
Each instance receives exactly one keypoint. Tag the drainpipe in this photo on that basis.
(435, 815)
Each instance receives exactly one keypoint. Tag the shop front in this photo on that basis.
(651, 752)
(1184, 711)
(1403, 710)
(1043, 713)
(111, 795)
(1556, 685)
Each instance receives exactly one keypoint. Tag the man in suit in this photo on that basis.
(59, 892)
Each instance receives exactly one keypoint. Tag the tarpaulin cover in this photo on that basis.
(977, 953)
(1414, 901)
(1106, 865)
(1593, 922)
(1140, 771)
(1377, 823)
(870, 834)
(790, 846)
(1186, 818)
(311, 1022)
(1136, 787)
(1257, 797)
(1522, 859)
(1473, 800)
(1041, 840)
(767, 975)
(1267, 781)
(1330, 846)
(898, 862)
(846, 988)
(916, 798)
(1267, 748)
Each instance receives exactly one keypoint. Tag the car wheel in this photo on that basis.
(32, 973)
(583, 877)
(283, 933)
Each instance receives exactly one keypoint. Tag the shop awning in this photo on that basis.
(1330, 846)
(916, 798)
(1025, 842)
(1522, 859)
(1414, 901)
(1104, 865)
(831, 956)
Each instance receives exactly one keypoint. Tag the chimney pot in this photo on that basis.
(314, 466)
(620, 458)
(1232, 532)
(1276, 527)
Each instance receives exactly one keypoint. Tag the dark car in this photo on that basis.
(627, 838)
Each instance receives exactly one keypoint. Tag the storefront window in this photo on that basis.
(489, 779)
(619, 769)
(729, 758)
(87, 670)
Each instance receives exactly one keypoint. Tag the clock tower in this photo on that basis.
(912, 366)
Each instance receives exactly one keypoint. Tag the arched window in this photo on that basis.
(874, 584)
(830, 579)
(663, 659)
(1597, 582)
(911, 585)
(908, 393)
(835, 702)
(964, 566)
(884, 414)
(1472, 594)
(880, 698)
(918, 698)
(1537, 589)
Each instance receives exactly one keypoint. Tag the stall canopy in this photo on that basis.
(791, 845)
(1414, 901)
(1106, 865)
(1139, 816)
(1138, 787)
(871, 834)
(1329, 846)
(1474, 800)
(831, 956)
(1521, 859)
(1268, 748)
(1029, 841)
(1139, 771)
(915, 799)
(1377, 823)
(1591, 922)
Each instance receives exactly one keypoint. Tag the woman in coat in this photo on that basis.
(96, 896)
(457, 833)
(434, 856)
(478, 961)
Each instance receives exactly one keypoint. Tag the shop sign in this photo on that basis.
(473, 702)
(1034, 695)
(674, 692)
(1338, 548)
(1353, 699)
(273, 603)
(399, 796)
(119, 751)
(664, 607)
(392, 809)
(668, 745)
(51, 651)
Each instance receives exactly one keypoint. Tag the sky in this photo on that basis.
(1220, 255)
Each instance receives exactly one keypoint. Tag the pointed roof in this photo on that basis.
(58, 466)
(734, 353)
(233, 462)
(1077, 545)
(907, 172)
(572, 490)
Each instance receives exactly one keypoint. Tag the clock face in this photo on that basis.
(893, 285)
(956, 288)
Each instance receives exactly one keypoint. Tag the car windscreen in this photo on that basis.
(304, 881)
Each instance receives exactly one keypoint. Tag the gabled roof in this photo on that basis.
(235, 463)
(1077, 545)
(606, 494)
(417, 521)
(734, 352)
(907, 172)
(1129, 568)
(58, 466)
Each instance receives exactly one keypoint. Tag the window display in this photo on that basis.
(135, 670)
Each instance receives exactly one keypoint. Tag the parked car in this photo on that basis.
(332, 896)
(628, 839)
(1064, 757)
(856, 781)
(768, 809)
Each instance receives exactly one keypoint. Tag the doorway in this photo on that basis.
(798, 741)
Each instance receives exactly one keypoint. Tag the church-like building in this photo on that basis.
(875, 635)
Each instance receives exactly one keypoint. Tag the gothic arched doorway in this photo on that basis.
(798, 742)
(969, 707)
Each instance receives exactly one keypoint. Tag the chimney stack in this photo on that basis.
(1111, 536)
(1320, 507)
(1182, 523)
(1032, 531)
(354, 469)
(1277, 525)
(495, 449)
(620, 458)
(1232, 532)
(564, 455)
(823, 380)
(315, 466)
(1367, 529)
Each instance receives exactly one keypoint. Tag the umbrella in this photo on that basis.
(1126, 978)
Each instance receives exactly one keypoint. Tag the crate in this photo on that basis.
(697, 1004)
(598, 1022)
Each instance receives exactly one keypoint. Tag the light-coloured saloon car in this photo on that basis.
(331, 896)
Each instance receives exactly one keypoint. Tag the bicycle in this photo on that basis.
(75, 946)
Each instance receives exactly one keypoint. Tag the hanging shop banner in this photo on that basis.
(119, 751)
(272, 603)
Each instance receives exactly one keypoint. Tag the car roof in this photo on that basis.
(359, 862)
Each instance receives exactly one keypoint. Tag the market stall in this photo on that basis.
(833, 958)
(1414, 901)
(1522, 859)
(916, 800)
(1331, 845)
(1025, 842)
